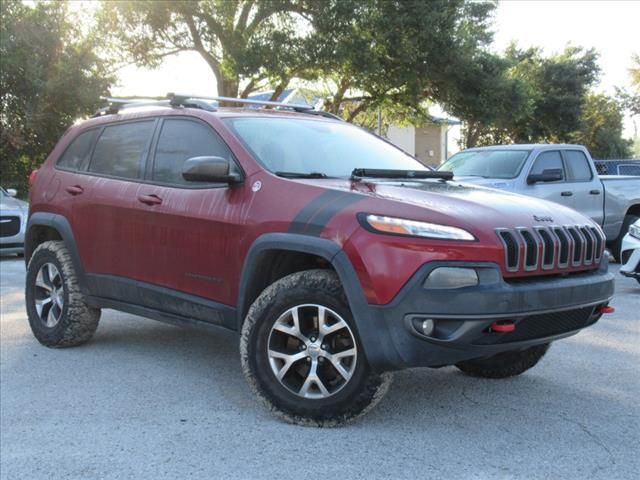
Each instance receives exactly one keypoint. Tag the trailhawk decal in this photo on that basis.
(316, 214)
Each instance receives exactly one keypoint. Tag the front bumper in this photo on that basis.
(542, 310)
(630, 254)
(13, 243)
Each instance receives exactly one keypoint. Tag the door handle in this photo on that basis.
(75, 190)
(594, 192)
(566, 194)
(150, 199)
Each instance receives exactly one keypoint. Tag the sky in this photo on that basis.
(612, 27)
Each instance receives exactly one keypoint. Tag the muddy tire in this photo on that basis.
(302, 356)
(504, 365)
(58, 312)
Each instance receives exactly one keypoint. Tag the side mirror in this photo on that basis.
(12, 192)
(209, 170)
(549, 175)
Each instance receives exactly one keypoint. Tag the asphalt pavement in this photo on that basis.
(145, 400)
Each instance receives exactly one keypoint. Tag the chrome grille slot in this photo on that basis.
(565, 245)
(511, 249)
(578, 249)
(599, 244)
(530, 250)
(590, 243)
(548, 248)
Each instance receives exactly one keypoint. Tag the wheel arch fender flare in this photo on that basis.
(372, 333)
(61, 225)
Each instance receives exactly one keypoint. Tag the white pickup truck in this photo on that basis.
(561, 173)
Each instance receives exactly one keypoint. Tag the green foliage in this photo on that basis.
(523, 96)
(50, 76)
(601, 128)
(243, 41)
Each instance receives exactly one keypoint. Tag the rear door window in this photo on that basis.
(121, 149)
(578, 168)
(548, 161)
(76, 156)
(180, 140)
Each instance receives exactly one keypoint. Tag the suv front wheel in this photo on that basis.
(58, 313)
(301, 354)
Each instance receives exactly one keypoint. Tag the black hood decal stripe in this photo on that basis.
(315, 215)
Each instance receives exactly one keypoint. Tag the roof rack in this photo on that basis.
(204, 103)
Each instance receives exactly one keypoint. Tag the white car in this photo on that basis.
(630, 252)
(13, 222)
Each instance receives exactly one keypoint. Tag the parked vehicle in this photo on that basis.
(618, 167)
(630, 254)
(13, 222)
(336, 257)
(564, 174)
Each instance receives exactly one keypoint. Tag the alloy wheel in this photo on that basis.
(49, 295)
(312, 351)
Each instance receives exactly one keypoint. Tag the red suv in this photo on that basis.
(336, 256)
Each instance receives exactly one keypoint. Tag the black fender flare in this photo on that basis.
(61, 225)
(370, 327)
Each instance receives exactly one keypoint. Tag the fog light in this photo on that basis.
(451, 277)
(427, 326)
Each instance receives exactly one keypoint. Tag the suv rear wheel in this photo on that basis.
(301, 354)
(58, 313)
(505, 364)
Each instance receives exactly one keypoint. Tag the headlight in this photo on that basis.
(400, 226)
(634, 230)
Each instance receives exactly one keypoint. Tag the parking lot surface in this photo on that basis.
(148, 400)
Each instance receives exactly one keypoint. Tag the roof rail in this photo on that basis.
(245, 101)
(193, 101)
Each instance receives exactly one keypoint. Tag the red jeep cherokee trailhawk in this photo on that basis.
(336, 256)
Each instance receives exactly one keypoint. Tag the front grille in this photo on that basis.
(548, 248)
(542, 325)
(9, 226)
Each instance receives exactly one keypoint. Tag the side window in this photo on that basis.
(180, 140)
(578, 168)
(119, 150)
(76, 156)
(548, 161)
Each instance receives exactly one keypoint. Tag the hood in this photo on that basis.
(10, 203)
(458, 204)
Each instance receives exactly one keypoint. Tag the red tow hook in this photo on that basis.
(606, 309)
(503, 326)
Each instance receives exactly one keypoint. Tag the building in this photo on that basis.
(429, 143)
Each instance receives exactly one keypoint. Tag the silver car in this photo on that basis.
(13, 222)
(630, 252)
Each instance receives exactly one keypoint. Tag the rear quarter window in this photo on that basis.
(76, 156)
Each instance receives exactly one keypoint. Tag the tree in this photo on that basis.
(380, 54)
(50, 76)
(368, 52)
(601, 128)
(246, 42)
(523, 96)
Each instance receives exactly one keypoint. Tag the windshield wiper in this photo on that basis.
(302, 175)
(382, 173)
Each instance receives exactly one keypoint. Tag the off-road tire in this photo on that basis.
(78, 321)
(361, 393)
(506, 364)
(616, 246)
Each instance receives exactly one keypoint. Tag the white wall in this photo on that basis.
(403, 137)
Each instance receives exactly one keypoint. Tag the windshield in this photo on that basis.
(311, 146)
(487, 163)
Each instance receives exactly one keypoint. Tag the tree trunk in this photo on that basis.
(472, 133)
